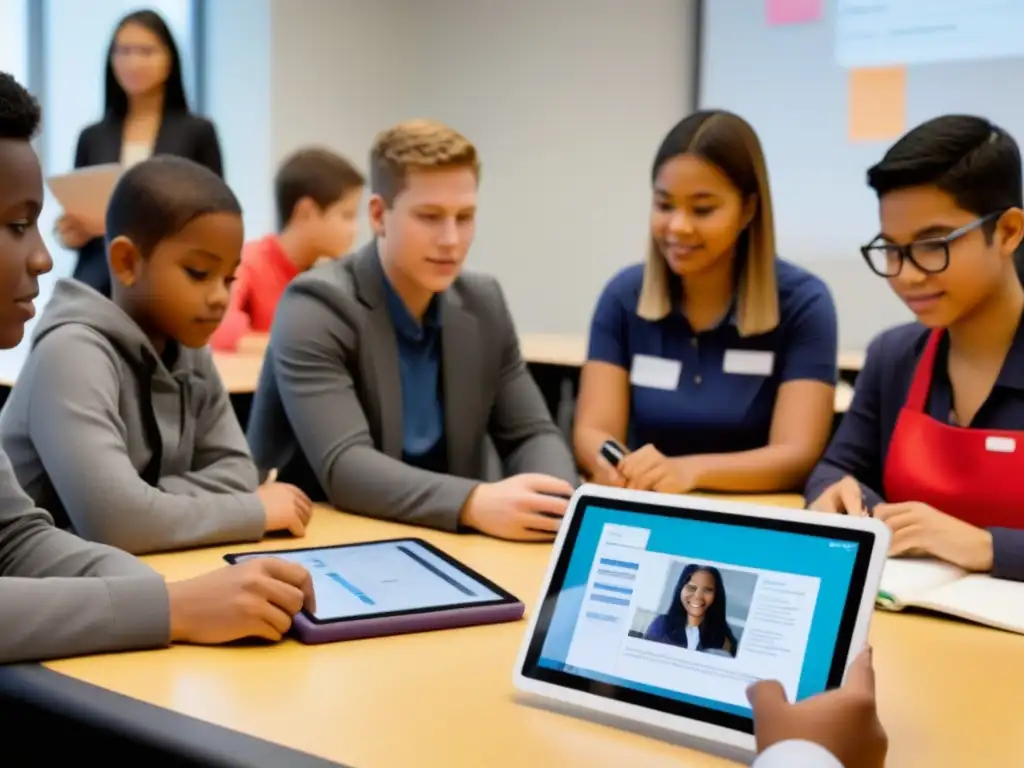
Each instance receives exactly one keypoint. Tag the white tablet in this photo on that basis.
(663, 609)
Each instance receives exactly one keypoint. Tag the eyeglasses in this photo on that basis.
(930, 256)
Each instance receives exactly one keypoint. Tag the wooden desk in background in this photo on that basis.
(240, 372)
(446, 698)
(570, 350)
(556, 360)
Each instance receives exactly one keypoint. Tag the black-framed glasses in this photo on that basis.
(930, 256)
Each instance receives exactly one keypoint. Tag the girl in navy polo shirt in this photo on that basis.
(933, 443)
(714, 361)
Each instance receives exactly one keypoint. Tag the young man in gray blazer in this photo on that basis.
(391, 373)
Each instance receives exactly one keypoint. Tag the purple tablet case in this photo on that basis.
(312, 633)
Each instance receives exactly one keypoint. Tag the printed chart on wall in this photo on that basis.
(876, 41)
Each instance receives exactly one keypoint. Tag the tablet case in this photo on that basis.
(311, 633)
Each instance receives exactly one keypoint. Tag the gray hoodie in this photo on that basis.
(129, 453)
(49, 607)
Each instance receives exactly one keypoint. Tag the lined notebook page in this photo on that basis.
(904, 580)
(983, 599)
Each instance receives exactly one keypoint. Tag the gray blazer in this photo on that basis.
(328, 410)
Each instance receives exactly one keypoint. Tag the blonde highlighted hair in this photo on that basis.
(417, 144)
(729, 143)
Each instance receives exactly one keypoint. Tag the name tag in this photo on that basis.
(655, 372)
(1000, 444)
(749, 362)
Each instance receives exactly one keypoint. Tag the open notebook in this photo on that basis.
(944, 588)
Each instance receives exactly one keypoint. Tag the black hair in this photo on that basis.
(969, 158)
(19, 111)
(725, 140)
(715, 633)
(115, 102)
(316, 173)
(159, 197)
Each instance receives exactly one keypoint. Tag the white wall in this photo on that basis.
(567, 101)
(239, 100)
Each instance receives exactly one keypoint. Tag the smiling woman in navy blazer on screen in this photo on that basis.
(696, 616)
(145, 113)
(715, 361)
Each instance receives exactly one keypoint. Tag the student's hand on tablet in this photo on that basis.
(287, 508)
(844, 497)
(647, 469)
(525, 507)
(256, 598)
(844, 721)
(71, 232)
(920, 530)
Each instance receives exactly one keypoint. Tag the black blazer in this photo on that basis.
(181, 133)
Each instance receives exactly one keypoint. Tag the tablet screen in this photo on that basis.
(681, 610)
(358, 581)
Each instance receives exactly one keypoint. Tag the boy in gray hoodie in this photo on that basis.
(119, 424)
(59, 595)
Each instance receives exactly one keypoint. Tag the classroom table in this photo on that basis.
(240, 372)
(570, 350)
(446, 698)
(555, 360)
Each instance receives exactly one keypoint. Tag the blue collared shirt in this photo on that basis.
(861, 444)
(419, 364)
(722, 402)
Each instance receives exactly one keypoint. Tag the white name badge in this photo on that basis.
(749, 362)
(655, 372)
(1000, 444)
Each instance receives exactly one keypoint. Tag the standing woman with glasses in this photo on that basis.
(933, 443)
(145, 113)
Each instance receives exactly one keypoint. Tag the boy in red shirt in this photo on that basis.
(317, 194)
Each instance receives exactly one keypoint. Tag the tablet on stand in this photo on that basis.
(659, 611)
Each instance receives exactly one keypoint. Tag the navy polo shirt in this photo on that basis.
(861, 444)
(419, 365)
(713, 391)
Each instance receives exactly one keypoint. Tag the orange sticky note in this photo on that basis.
(877, 103)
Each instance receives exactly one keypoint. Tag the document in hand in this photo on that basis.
(937, 586)
(84, 193)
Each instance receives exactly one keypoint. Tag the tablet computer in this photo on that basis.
(391, 587)
(662, 609)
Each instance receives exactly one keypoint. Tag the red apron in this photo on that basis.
(976, 475)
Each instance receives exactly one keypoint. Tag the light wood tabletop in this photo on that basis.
(446, 698)
(240, 372)
(569, 350)
(851, 360)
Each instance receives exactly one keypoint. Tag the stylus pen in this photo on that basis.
(613, 452)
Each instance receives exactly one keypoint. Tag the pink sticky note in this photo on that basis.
(793, 11)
